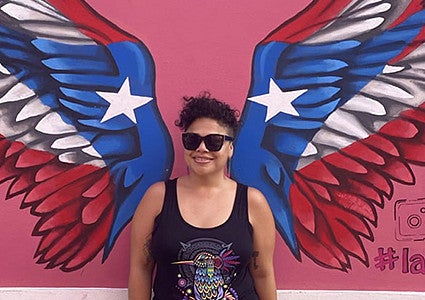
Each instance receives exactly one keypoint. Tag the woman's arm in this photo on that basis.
(141, 260)
(261, 265)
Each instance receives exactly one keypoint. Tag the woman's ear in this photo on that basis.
(231, 150)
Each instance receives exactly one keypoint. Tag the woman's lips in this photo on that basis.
(202, 159)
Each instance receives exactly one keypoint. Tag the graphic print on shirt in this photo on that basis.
(206, 269)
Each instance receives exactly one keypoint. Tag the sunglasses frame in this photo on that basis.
(204, 139)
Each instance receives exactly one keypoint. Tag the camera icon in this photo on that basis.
(409, 216)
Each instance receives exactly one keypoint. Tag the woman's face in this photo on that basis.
(201, 160)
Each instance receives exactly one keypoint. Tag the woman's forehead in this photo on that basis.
(207, 125)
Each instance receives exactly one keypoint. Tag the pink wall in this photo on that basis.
(205, 45)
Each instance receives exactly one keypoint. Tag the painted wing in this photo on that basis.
(81, 137)
(334, 117)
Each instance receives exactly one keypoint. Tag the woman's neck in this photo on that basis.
(210, 180)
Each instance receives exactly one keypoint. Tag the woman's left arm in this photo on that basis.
(261, 266)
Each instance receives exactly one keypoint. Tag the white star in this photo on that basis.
(123, 102)
(278, 101)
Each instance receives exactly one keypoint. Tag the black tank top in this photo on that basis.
(202, 263)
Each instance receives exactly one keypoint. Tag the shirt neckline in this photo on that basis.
(206, 228)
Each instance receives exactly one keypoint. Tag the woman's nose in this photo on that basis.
(202, 147)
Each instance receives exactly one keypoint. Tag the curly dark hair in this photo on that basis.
(204, 106)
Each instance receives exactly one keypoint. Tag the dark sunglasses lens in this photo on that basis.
(191, 141)
(214, 142)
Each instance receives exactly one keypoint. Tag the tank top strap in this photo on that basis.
(240, 209)
(170, 198)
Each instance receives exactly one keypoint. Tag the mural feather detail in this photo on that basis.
(81, 137)
(333, 118)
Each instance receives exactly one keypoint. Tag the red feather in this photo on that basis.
(74, 203)
(330, 220)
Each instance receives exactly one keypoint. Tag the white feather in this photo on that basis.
(33, 108)
(365, 104)
(392, 69)
(3, 70)
(346, 123)
(332, 139)
(374, 10)
(91, 151)
(53, 124)
(17, 93)
(36, 11)
(70, 142)
(309, 150)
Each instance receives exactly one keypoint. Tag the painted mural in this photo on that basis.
(331, 129)
(336, 111)
(80, 127)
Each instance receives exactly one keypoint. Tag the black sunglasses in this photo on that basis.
(213, 142)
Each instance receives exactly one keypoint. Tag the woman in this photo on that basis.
(208, 236)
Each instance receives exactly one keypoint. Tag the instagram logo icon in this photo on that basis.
(409, 218)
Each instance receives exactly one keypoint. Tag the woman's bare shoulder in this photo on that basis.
(256, 197)
(156, 189)
(258, 207)
(153, 199)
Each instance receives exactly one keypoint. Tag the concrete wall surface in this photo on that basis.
(121, 294)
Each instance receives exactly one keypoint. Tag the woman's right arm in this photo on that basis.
(141, 260)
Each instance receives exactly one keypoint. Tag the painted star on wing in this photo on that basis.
(278, 101)
(123, 102)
